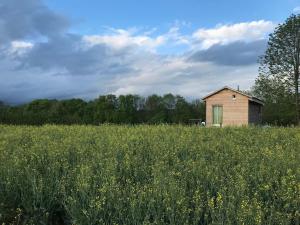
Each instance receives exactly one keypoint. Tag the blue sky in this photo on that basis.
(93, 14)
(82, 49)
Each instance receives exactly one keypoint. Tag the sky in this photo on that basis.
(82, 49)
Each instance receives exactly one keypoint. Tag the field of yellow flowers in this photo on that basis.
(88, 175)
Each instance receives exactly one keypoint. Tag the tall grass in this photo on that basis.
(89, 175)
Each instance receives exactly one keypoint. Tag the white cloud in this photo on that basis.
(124, 38)
(224, 34)
(20, 47)
(296, 9)
(175, 36)
(120, 38)
(176, 75)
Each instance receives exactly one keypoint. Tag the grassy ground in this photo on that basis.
(88, 175)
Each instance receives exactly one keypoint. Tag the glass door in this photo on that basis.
(217, 115)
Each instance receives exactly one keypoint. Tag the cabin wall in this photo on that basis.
(255, 113)
(235, 111)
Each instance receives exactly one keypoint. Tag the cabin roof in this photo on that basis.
(250, 97)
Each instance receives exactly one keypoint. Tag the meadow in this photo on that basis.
(109, 174)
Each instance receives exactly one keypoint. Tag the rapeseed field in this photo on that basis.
(109, 174)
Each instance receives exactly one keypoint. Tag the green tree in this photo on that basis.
(198, 109)
(71, 111)
(105, 109)
(280, 64)
(155, 109)
(39, 112)
(2, 112)
(169, 101)
(183, 110)
(127, 108)
(169, 105)
(279, 101)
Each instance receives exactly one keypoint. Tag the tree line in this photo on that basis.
(124, 109)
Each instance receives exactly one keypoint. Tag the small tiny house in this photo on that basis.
(229, 107)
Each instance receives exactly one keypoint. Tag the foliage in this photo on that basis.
(278, 101)
(279, 71)
(149, 175)
(124, 109)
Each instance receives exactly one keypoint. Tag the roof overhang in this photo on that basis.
(251, 98)
(256, 100)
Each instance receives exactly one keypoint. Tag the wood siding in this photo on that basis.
(235, 111)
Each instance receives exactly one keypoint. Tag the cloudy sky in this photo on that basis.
(82, 49)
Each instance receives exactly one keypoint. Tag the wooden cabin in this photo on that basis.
(229, 107)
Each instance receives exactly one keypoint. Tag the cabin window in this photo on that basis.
(233, 97)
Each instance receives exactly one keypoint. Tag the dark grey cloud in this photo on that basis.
(71, 55)
(23, 85)
(233, 54)
(21, 19)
